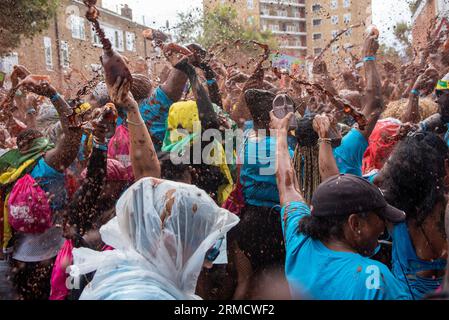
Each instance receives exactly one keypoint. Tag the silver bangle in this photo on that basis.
(325, 140)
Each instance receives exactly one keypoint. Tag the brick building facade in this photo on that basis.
(424, 20)
(70, 44)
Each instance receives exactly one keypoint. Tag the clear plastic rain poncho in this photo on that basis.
(161, 234)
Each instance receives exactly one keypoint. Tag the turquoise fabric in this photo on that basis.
(316, 272)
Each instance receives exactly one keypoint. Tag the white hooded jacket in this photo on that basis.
(161, 234)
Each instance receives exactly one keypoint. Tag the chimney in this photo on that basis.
(127, 12)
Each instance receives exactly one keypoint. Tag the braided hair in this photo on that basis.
(306, 158)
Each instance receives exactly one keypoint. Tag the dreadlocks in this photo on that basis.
(306, 158)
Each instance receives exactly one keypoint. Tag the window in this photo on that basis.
(282, 13)
(8, 62)
(334, 33)
(316, 8)
(250, 4)
(116, 37)
(334, 4)
(77, 24)
(65, 59)
(48, 53)
(347, 18)
(317, 36)
(316, 22)
(348, 33)
(334, 19)
(317, 51)
(130, 41)
(346, 3)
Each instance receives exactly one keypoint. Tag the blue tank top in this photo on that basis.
(407, 265)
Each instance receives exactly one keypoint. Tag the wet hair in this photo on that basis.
(325, 228)
(28, 135)
(141, 87)
(414, 175)
(260, 104)
(306, 158)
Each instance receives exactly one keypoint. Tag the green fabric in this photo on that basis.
(14, 159)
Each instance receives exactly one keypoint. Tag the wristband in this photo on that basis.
(366, 59)
(102, 147)
(135, 123)
(415, 92)
(211, 82)
(55, 97)
(325, 140)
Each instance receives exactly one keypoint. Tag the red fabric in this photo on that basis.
(381, 144)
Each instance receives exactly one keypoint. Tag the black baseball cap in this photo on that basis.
(347, 194)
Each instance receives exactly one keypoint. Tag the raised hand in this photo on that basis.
(426, 82)
(19, 73)
(321, 125)
(175, 53)
(282, 125)
(120, 94)
(39, 85)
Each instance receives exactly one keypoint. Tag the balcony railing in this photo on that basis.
(296, 3)
(272, 16)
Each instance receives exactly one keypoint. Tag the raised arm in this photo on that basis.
(199, 55)
(176, 81)
(285, 173)
(424, 84)
(79, 211)
(373, 93)
(144, 158)
(322, 75)
(206, 113)
(66, 150)
(328, 165)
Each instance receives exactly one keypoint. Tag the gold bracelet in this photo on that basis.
(134, 123)
(325, 140)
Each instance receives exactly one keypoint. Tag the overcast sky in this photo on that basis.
(385, 12)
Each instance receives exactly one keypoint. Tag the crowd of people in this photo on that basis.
(336, 188)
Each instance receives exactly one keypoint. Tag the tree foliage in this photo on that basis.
(414, 5)
(23, 19)
(220, 25)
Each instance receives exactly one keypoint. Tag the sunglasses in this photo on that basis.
(213, 253)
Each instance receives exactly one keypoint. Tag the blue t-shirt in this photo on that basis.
(154, 111)
(51, 181)
(349, 155)
(258, 172)
(406, 264)
(314, 271)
